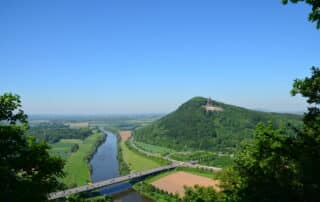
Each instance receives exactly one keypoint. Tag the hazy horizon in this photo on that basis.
(110, 57)
(150, 113)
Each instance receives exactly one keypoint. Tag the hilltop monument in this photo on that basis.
(210, 107)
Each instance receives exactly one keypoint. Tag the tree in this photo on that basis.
(8, 104)
(266, 168)
(27, 171)
(314, 15)
(276, 166)
(308, 140)
(200, 194)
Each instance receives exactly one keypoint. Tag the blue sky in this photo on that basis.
(105, 57)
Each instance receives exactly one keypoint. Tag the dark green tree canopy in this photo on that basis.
(27, 171)
(276, 166)
(314, 15)
(200, 194)
(10, 109)
(309, 87)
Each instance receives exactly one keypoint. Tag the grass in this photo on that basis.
(71, 141)
(63, 147)
(136, 161)
(153, 148)
(77, 168)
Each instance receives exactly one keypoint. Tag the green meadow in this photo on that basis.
(63, 148)
(77, 168)
(153, 148)
(137, 161)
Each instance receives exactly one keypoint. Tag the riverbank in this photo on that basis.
(77, 167)
(131, 160)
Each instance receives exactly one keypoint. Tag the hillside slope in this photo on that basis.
(192, 127)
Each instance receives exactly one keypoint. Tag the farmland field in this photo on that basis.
(175, 182)
(78, 124)
(76, 168)
(124, 135)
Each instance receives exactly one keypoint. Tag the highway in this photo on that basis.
(132, 176)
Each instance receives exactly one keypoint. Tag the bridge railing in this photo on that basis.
(65, 193)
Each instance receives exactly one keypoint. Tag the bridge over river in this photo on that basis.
(132, 176)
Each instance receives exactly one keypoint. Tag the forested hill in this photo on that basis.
(191, 126)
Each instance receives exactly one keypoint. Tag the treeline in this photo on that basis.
(123, 166)
(52, 132)
(85, 197)
(205, 158)
(154, 193)
(190, 127)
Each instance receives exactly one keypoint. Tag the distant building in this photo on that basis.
(209, 102)
(210, 107)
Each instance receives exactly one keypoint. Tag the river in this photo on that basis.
(104, 165)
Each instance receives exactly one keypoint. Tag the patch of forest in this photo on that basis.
(191, 127)
(52, 132)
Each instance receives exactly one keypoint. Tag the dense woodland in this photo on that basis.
(52, 132)
(192, 127)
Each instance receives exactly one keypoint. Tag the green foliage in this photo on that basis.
(85, 198)
(285, 167)
(200, 194)
(314, 15)
(157, 159)
(308, 140)
(154, 193)
(10, 110)
(205, 158)
(65, 147)
(123, 167)
(137, 161)
(77, 169)
(153, 148)
(308, 87)
(27, 171)
(52, 132)
(266, 165)
(190, 127)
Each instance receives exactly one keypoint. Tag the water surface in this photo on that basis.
(104, 165)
